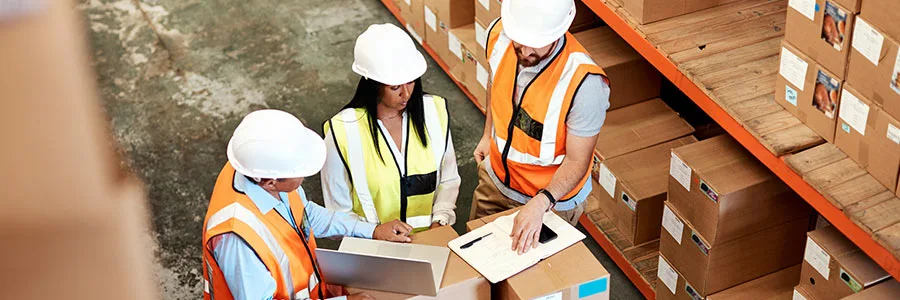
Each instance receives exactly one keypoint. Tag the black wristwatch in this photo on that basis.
(549, 197)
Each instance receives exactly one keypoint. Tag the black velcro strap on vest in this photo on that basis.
(530, 126)
(422, 184)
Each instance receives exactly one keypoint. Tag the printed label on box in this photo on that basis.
(854, 112)
(555, 296)
(867, 40)
(667, 275)
(825, 94)
(895, 76)
(608, 181)
(672, 224)
(17, 8)
(430, 18)
(798, 296)
(835, 26)
(790, 95)
(454, 45)
(793, 68)
(893, 133)
(486, 4)
(629, 202)
(700, 244)
(414, 34)
(805, 7)
(691, 292)
(594, 287)
(708, 190)
(852, 283)
(480, 35)
(481, 74)
(816, 257)
(680, 171)
(845, 127)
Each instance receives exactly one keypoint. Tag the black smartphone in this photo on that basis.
(546, 234)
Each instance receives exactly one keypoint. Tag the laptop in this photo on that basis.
(385, 266)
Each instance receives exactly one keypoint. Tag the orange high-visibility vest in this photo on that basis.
(288, 254)
(529, 140)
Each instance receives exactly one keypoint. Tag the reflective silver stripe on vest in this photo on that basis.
(525, 158)
(240, 213)
(498, 52)
(357, 165)
(419, 221)
(435, 131)
(554, 110)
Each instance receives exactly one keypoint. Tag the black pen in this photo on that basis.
(469, 244)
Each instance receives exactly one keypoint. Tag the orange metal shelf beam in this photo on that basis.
(396, 12)
(618, 258)
(776, 164)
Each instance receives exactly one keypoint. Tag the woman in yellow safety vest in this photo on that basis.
(390, 155)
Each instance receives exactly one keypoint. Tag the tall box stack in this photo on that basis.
(728, 220)
(833, 267)
(486, 11)
(633, 189)
(634, 78)
(808, 91)
(473, 72)
(870, 136)
(413, 13)
(441, 16)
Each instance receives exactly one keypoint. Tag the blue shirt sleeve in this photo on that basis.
(246, 275)
(328, 223)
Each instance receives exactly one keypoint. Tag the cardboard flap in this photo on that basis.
(863, 269)
(606, 47)
(832, 241)
(888, 290)
(772, 286)
(737, 175)
(640, 126)
(644, 173)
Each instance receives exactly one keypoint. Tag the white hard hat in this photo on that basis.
(537, 23)
(274, 144)
(385, 53)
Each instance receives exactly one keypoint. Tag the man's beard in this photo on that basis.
(529, 61)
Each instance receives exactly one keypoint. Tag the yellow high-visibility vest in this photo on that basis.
(380, 194)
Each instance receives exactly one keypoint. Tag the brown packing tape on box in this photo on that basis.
(873, 67)
(635, 80)
(460, 281)
(716, 181)
(714, 267)
(825, 38)
(815, 101)
(639, 180)
(851, 141)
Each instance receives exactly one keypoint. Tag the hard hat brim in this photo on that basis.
(313, 154)
(416, 68)
(519, 34)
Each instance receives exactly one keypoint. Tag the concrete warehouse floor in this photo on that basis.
(176, 77)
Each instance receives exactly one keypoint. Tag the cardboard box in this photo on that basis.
(715, 183)
(821, 29)
(808, 91)
(672, 284)
(639, 126)
(647, 11)
(801, 293)
(476, 71)
(413, 13)
(460, 280)
(833, 267)
(573, 273)
(633, 78)
(449, 48)
(471, 225)
(486, 11)
(888, 290)
(883, 14)
(874, 69)
(585, 18)
(452, 13)
(714, 267)
(876, 145)
(633, 188)
(778, 285)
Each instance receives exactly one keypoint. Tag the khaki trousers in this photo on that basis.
(488, 200)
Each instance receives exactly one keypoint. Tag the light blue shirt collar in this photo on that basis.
(263, 200)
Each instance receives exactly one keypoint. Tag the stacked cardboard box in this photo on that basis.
(775, 286)
(887, 290)
(833, 267)
(728, 219)
(441, 17)
(633, 188)
(873, 107)
(413, 13)
(573, 273)
(460, 281)
(639, 126)
(648, 11)
(635, 80)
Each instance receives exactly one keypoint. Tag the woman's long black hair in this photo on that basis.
(368, 96)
